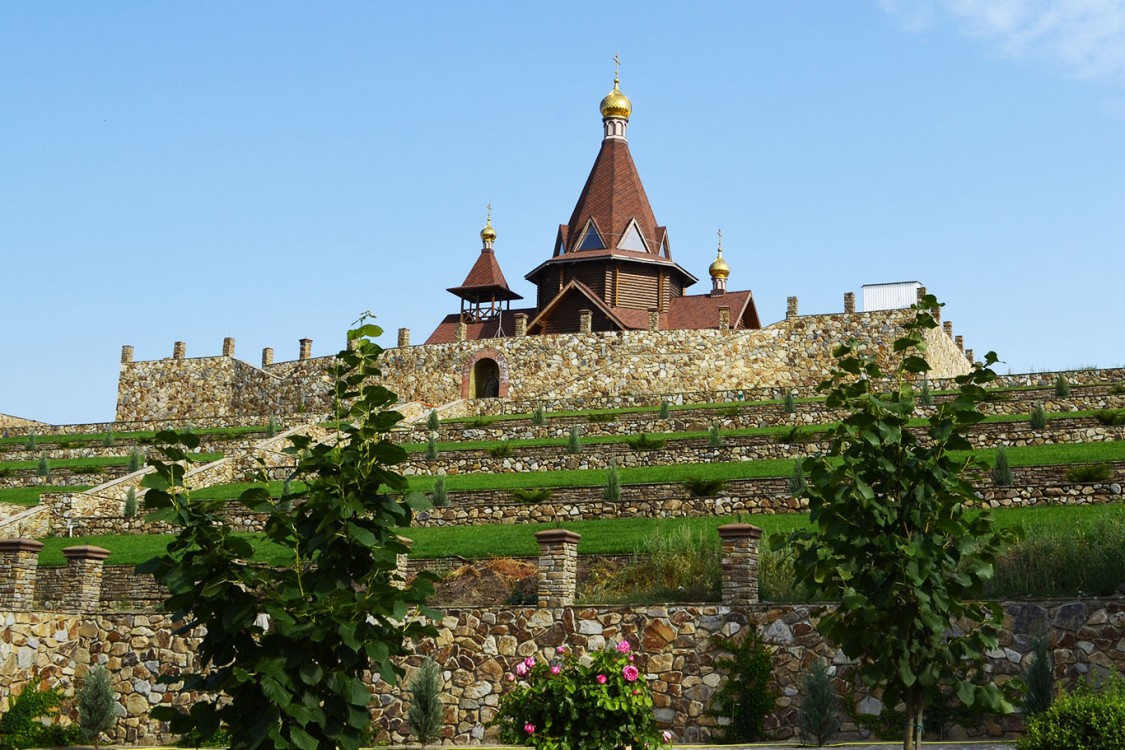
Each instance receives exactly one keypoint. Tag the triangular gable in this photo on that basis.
(560, 240)
(574, 287)
(632, 239)
(591, 239)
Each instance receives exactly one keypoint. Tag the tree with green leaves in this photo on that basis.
(95, 705)
(893, 539)
(287, 646)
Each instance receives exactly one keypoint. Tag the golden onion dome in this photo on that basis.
(488, 234)
(616, 104)
(719, 268)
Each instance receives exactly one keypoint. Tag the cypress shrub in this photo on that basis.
(612, 489)
(715, 436)
(96, 705)
(439, 496)
(434, 421)
(1001, 471)
(817, 719)
(1062, 386)
(573, 445)
(1038, 417)
(426, 710)
(130, 510)
(665, 409)
(789, 403)
(431, 447)
(1038, 678)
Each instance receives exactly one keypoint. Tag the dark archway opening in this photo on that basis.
(486, 379)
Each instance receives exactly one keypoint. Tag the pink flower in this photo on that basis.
(555, 669)
(521, 669)
(601, 679)
(636, 692)
(630, 657)
(630, 672)
(667, 736)
(529, 728)
(529, 662)
(623, 647)
(560, 649)
(511, 677)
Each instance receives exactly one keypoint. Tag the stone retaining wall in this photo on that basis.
(478, 647)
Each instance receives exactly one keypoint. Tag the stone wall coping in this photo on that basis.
(739, 531)
(85, 552)
(20, 545)
(556, 536)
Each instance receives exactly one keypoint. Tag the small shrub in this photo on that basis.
(699, 487)
(925, 398)
(573, 444)
(130, 509)
(730, 411)
(789, 403)
(96, 705)
(1117, 389)
(426, 712)
(533, 495)
(439, 496)
(433, 422)
(108, 439)
(1038, 677)
(501, 451)
(600, 417)
(43, 469)
(1001, 470)
(539, 416)
(598, 701)
(792, 435)
(32, 720)
(817, 719)
(744, 697)
(665, 409)
(1038, 417)
(482, 422)
(1062, 386)
(136, 460)
(431, 447)
(715, 436)
(644, 443)
(1089, 473)
(1086, 720)
(612, 489)
(797, 481)
(29, 440)
(1110, 417)
(273, 426)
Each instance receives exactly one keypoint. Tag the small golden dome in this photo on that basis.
(719, 268)
(616, 104)
(488, 234)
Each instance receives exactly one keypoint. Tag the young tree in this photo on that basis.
(425, 715)
(287, 645)
(893, 540)
(95, 705)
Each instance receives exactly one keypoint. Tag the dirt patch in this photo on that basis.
(487, 583)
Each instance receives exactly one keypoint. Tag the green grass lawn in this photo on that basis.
(95, 462)
(612, 536)
(47, 441)
(30, 495)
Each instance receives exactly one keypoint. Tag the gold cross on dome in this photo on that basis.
(616, 66)
(720, 233)
(489, 213)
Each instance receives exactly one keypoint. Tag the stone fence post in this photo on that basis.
(654, 319)
(19, 567)
(228, 347)
(585, 321)
(521, 324)
(849, 302)
(740, 563)
(558, 567)
(267, 357)
(959, 341)
(179, 350)
(306, 348)
(126, 354)
(82, 586)
(403, 338)
(724, 318)
(462, 331)
(790, 307)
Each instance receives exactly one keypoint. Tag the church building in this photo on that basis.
(611, 269)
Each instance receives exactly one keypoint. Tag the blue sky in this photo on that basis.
(270, 170)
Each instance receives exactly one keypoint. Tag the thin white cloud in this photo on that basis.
(1085, 36)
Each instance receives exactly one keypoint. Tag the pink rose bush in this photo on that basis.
(597, 702)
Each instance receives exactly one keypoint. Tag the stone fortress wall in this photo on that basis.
(56, 623)
(792, 353)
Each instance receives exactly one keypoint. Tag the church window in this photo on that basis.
(632, 239)
(590, 240)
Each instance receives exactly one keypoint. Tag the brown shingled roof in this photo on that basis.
(446, 332)
(485, 281)
(701, 311)
(612, 196)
